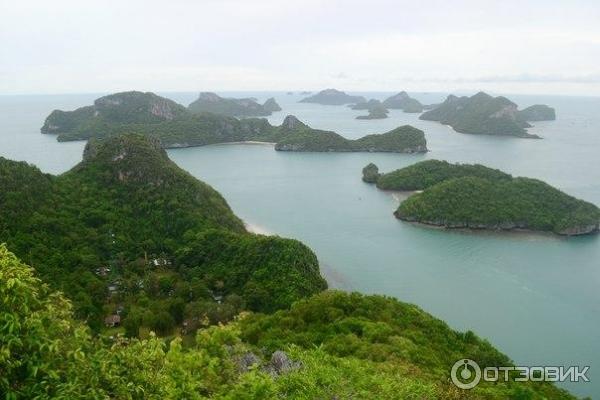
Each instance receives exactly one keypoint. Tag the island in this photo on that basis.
(538, 112)
(404, 139)
(402, 101)
(365, 105)
(246, 107)
(333, 97)
(150, 115)
(375, 112)
(480, 198)
(147, 286)
(481, 114)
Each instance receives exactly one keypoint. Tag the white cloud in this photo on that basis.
(91, 46)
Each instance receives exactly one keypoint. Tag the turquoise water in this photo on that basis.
(535, 297)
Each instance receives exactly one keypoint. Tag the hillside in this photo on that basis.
(404, 139)
(538, 112)
(375, 112)
(427, 173)
(333, 345)
(480, 114)
(212, 103)
(127, 231)
(518, 203)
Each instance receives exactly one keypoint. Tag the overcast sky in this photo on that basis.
(525, 46)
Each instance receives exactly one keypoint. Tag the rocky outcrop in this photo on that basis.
(370, 173)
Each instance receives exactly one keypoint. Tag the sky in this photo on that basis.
(90, 46)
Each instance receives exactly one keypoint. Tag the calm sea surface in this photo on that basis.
(535, 297)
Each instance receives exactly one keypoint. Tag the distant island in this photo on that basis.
(333, 97)
(538, 112)
(365, 105)
(402, 101)
(375, 112)
(246, 107)
(151, 115)
(477, 197)
(484, 114)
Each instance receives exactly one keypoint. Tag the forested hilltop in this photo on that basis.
(127, 233)
(211, 102)
(333, 345)
(151, 115)
(478, 197)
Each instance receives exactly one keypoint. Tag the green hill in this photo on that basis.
(127, 230)
(333, 97)
(333, 345)
(427, 173)
(480, 114)
(404, 139)
(403, 101)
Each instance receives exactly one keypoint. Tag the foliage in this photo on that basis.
(375, 112)
(45, 353)
(427, 173)
(475, 202)
(128, 209)
(404, 139)
(370, 173)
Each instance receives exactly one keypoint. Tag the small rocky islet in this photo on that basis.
(476, 197)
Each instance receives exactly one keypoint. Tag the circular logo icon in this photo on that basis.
(465, 374)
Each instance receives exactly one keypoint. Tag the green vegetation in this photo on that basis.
(404, 139)
(174, 126)
(480, 114)
(365, 105)
(403, 101)
(335, 345)
(425, 174)
(333, 97)
(370, 173)
(477, 197)
(128, 232)
(538, 112)
(212, 103)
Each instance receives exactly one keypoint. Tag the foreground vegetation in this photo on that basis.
(477, 197)
(150, 115)
(128, 233)
(333, 345)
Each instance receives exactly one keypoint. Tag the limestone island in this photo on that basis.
(333, 97)
(477, 197)
(483, 114)
(151, 115)
(402, 101)
(538, 112)
(246, 107)
(375, 112)
(365, 105)
(404, 139)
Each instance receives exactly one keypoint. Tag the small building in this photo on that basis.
(102, 271)
(112, 321)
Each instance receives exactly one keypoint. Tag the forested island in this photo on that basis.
(143, 284)
(405, 139)
(152, 115)
(333, 97)
(484, 114)
(375, 112)
(213, 103)
(478, 197)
